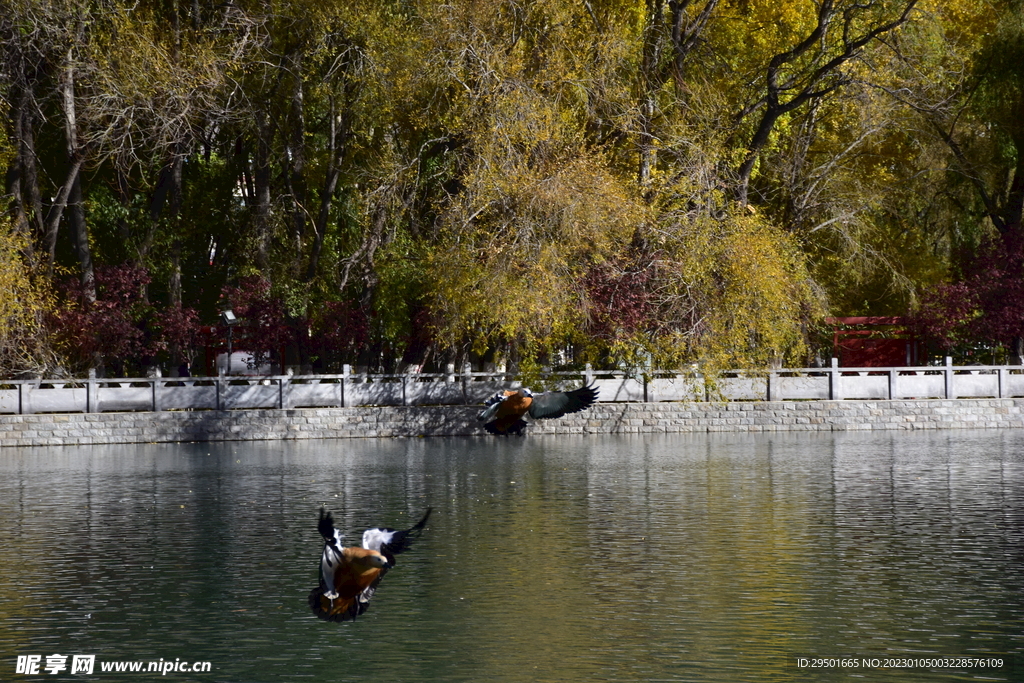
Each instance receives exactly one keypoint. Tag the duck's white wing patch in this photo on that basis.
(329, 562)
(331, 558)
(373, 539)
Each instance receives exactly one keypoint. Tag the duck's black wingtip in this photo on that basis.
(326, 524)
(423, 521)
(589, 392)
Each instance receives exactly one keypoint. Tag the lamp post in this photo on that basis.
(228, 318)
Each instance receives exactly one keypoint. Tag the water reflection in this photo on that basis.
(684, 558)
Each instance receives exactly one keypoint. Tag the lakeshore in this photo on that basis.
(50, 429)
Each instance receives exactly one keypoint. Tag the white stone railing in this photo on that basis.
(467, 387)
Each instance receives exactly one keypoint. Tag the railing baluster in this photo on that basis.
(346, 372)
(833, 381)
(948, 372)
(92, 393)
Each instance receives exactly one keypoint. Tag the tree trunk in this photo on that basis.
(261, 187)
(174, 283)
(1015, 197)
(15, 172)
(80, 239)
(677, 35)
(297, 158)
(76, 213)
(651, 80)
(23, 174)
(338, 133)
(30, 178)
(757, 142)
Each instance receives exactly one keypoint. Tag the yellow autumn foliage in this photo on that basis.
(24, 301)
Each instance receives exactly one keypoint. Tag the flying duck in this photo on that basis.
(349, 576)
(504, 411)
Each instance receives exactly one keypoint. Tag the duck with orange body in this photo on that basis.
(504, 412)
(349, 576)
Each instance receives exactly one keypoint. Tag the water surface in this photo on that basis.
(613, 558)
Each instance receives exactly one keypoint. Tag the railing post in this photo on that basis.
(284, 390)
(155, 379)
(467, 370)
(588, 374)
(948, 373)
(346, 372)
(450, 370)
(219, 383)
(92, 403)
(21, 398)
(1003, 380)
(833, 380)
(892, 383)
(770, 389)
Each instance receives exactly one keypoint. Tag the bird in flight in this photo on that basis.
(350, 576)
(503, 414)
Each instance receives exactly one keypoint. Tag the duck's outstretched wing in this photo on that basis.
(559, 403)
(389, 542)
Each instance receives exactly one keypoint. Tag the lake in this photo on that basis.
(711, 557)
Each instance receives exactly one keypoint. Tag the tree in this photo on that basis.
(975, 112)
(39, 47)
(25, 299)
(814, 67)
(263, 328)
(986, 306)
(108, 331)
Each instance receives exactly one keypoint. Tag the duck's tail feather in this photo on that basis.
(500, 428)
(339, 609)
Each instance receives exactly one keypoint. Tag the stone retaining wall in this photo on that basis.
(602, 418)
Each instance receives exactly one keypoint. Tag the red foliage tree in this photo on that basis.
(263, 326)
(177, 330)
(986, 305)
(338, 331)
(621, 302)
(121, 331)
(110, 332)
